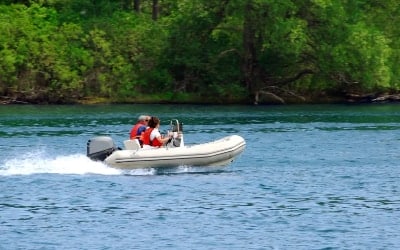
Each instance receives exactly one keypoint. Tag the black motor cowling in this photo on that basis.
(100, 147)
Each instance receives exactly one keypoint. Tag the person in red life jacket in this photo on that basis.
(139, 128)
(152, 136)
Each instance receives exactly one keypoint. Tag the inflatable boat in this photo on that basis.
(175, 153)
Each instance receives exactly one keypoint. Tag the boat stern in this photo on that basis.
(100, 147)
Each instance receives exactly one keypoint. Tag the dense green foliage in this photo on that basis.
(215, 51)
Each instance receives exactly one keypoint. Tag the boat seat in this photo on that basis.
(132, 144)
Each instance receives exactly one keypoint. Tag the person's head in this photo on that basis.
(154, 121)
(143, 119)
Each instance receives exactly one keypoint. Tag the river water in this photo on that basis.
(311, 177)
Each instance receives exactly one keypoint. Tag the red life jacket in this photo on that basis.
(134, 131)
(145, 137)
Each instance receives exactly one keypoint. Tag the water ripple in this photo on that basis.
(311, 177)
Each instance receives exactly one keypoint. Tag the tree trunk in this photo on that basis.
(136, 5)
(156, 10)
(249, 47)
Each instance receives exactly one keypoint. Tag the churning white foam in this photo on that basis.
(38, 163)
(41, 163)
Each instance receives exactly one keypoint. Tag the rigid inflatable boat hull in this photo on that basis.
(216, 153)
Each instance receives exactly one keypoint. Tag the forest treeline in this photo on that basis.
(226, 51)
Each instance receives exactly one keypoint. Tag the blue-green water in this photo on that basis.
(311, 177)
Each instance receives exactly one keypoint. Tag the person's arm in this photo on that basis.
(140, 131)
(163, 140)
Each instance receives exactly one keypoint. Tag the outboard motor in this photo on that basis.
(100, 147)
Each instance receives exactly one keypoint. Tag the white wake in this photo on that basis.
(38, 163)
(41, 163)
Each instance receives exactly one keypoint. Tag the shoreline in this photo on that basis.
(348, 99)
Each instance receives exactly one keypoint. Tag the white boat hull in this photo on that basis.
(216, 153)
